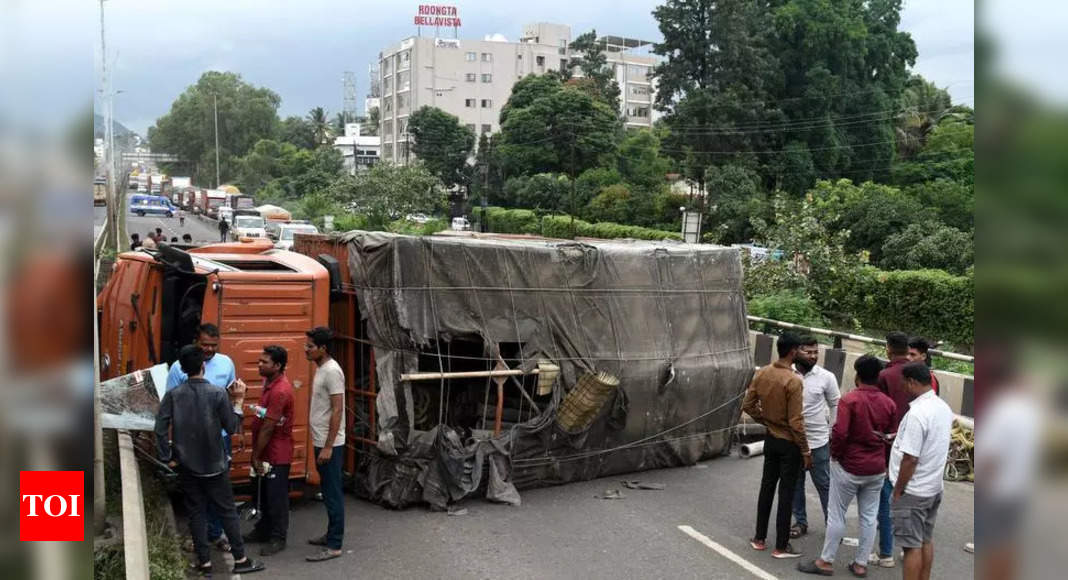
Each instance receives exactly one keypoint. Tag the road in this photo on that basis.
(565, 532)
(203, 230)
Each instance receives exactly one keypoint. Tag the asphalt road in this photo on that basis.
(203, 230)
(565, 532)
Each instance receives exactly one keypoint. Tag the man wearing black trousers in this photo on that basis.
(188, 424)
(774, 399)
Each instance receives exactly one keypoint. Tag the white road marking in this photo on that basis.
(749, 566)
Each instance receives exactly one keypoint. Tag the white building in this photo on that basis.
(359, 151)
(473, 79)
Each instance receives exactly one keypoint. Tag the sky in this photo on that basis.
(300, 50)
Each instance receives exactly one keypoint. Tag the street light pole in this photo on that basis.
(215, 100)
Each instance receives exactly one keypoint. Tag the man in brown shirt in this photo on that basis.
(774, 399)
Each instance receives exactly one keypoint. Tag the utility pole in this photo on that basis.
(215, 101)
(111, 229)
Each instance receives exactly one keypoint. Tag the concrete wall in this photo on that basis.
(955, 389)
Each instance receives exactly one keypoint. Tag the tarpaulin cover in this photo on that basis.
(665, 318)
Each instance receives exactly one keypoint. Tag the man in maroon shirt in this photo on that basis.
(918, 352)
(272, 452)
(892, 382)
(858, 466)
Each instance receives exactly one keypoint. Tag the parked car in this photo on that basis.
(286, 231)
(461, 224)
(142, 205)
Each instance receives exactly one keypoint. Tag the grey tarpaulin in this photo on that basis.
(667, 319)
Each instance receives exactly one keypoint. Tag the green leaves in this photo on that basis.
(442, 143)
(385, 193)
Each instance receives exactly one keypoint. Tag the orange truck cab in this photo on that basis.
(256, 295)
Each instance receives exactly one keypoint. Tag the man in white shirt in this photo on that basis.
(819, 409)
(327, 424)
(917, 460)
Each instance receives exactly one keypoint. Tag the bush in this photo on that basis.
(930, 303)
(512, 221)
(788, 306)
(522, 221)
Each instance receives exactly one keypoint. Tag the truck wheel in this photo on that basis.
(170, 214)
(140, 213)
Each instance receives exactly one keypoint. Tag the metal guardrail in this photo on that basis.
(134, 534)
(838, 336)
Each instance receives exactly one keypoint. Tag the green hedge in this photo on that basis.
(525, 221)
(929, 303)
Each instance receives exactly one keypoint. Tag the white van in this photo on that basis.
(460, 224)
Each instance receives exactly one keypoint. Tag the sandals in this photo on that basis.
(852, 567)
(248, 566)
(323, 555)
(810, 567)
(798, 530)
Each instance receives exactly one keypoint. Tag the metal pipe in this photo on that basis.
(753, 449)
(466, 374)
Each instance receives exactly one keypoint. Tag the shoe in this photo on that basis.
(758, 545)
(320, 541)
(881, 561)
(969, 547)
(798, 530)
(248, 566)
(811, 568)
(853, 568)
(203, 570)
(789, 552)
(324, 554)
(273, 547)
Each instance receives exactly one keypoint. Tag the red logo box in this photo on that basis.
(51, 506)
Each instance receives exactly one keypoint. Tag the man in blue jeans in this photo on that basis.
(326, 422)
(220, 372)
(820, 407)
(892, 383)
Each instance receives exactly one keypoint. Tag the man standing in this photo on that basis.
(193, 413)
(135, 241)
(858, 466)
(219, 372)
(918, 349)
(327, 423)
(819, 409)
(917, 460)
(224, 228)
(272, 452)
(892, 383)
(774, 400)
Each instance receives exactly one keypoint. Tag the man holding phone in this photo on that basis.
(219, 371)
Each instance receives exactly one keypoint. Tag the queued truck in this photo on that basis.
(154, 301)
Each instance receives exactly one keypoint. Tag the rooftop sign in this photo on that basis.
(437, 15)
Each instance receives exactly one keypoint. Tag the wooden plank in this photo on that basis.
(762, 355)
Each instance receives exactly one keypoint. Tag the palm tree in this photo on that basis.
(320, 124)
(922, 106)
(370, 125)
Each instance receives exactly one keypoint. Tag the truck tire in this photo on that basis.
(140, 213)
(170, 214)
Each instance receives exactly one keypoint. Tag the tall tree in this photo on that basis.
(922, 106)
(442, 143)
(340, 120)
(320, 124)
(298, 132)
(246, 114)
(370, 125)
(599, 79)
(386, 192)
(717, 82)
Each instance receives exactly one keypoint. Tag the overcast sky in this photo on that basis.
(301, 49)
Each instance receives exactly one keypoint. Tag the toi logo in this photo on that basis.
(51, 506)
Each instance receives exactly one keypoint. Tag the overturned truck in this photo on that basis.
(484, 365)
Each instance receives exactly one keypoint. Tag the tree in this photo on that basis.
(716, 81)
(599, 79)
(320, 125)
(922, 106)
(564, 131)
(640, 162)
(868, 213)
(340, 120)
(737, 197)
(529, 89)
(246, 114)
(298, 132)
(954, 201)
(442, 143)
(282, 171)
(929, 245)
(386, 192)
(613, 204)
(370, 125)
(949, 152)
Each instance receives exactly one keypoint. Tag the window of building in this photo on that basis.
(637, 72)
(404, 81)
(487, 129)
(519, 57)
(385, 65)
(402, 103)
(469, 103)
(639, 112)
(387, 127)
(540, 60)
(487, 103)
(563, 64)
(487, 78)
(387, 85)
(639, 90)
(404, 60)
(387, 106)
(402, 126)
(470, 127)
(487, 57)
(469, 77)
(387, 152)
(471, 57)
